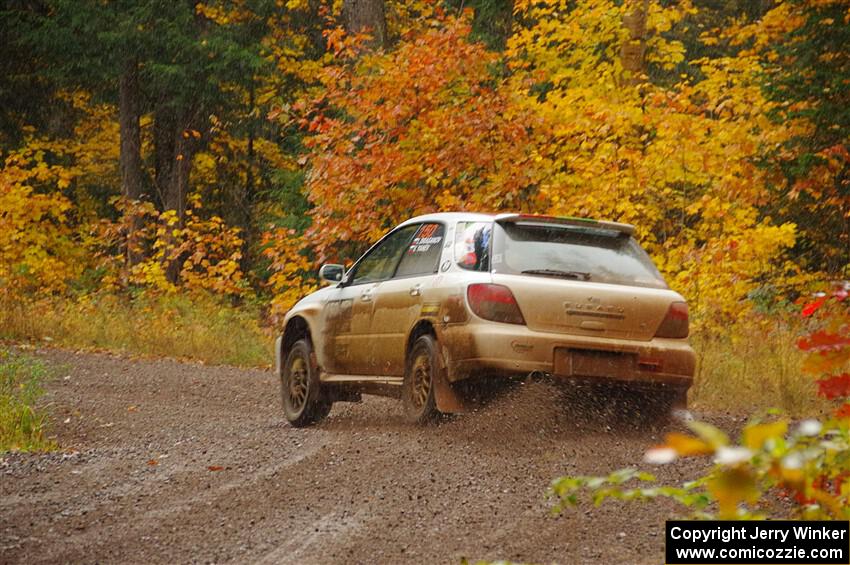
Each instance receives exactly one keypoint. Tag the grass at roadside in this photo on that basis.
(22, 423)
(200, 328)
(752, 367)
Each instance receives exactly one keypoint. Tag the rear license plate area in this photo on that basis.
(591, 363)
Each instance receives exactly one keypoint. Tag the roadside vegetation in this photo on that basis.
(753, 367)
(202, 327)
(23, 422)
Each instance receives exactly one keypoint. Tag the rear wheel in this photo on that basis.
(303, 402)
(418, 390)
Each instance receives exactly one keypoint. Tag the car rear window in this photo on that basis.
(472, 245)
(583, 253)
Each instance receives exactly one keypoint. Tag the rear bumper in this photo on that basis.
(486, 348)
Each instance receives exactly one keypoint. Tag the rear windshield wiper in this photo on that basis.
(578, 275)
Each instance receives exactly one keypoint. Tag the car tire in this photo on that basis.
(420, 406)
(303, 401)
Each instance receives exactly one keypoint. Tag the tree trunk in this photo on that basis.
(177, 189)
(247, 204)
(163, 150)
(367, 16)
(163, 140)
(129, 115)
(633, 49)
(130, 132)
(175, 142)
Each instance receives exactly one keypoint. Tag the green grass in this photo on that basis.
(199, 328)
(22, 423)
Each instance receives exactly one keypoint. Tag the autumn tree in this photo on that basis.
(421, 129)
(719, 129)
(48, 201)
(98, 48)
(181, 67)
(680, 162)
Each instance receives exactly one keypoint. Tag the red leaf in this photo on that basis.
(801, 498)
(215, 468)
(843, 411)
(834, 387)
(813, 307)
(823, 341)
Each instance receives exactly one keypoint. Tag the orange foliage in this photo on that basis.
(420, 129)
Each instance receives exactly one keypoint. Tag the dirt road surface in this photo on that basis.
(163, 461)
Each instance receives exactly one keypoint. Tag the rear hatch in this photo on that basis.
(580, 277)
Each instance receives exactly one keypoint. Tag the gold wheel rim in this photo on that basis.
(421, 381)
(298, 383)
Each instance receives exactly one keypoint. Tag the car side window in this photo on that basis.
(423, 252)
(380, 263)
(472, 245)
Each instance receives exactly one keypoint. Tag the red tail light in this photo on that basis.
(494, 302)
(675, 324)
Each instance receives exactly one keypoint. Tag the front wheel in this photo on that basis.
(303, 402)
(420, 405)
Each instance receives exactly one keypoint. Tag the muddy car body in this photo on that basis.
(446, 297)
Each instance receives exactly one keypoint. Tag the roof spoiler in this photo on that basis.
(627, 229)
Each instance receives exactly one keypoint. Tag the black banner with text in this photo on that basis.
(757, 542)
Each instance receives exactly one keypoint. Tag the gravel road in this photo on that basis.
(164, 461)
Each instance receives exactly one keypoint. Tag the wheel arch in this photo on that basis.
(420, 328)
(296, 328)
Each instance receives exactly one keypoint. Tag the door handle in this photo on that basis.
(416, 290)
(366, 296)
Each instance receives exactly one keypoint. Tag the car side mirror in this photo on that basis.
(331, 273)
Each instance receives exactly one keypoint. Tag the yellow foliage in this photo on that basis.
(730, 487)
(686, 445)
(37, 253)
(678, 162)
(196, 254)
(222, 15)
(407, 16)
(225, 162)
(755, 435)
(293, 275)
